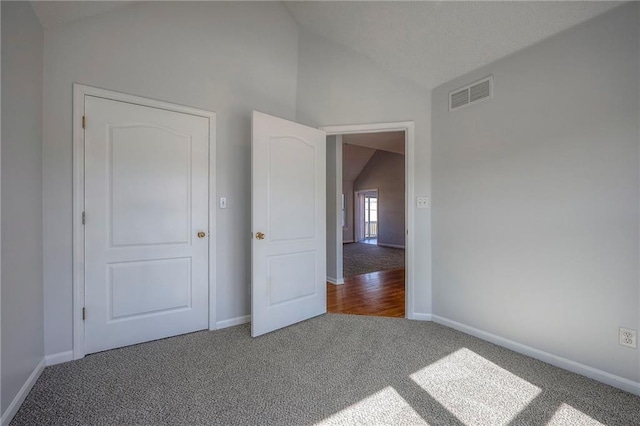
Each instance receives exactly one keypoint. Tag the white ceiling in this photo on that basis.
(427, 42)
(54, 13)
(432, 42)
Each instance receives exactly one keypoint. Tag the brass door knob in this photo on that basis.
(202, 234)
(259, 236)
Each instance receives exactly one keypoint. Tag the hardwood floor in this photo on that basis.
(378, 293)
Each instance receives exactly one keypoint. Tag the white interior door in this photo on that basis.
(146, 231)
(289, 223)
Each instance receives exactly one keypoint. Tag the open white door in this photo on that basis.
(288, 223)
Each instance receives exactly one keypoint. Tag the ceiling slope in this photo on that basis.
(385, 141)
(354, 158)
(427, 42)
(55, 13)
(431, 43)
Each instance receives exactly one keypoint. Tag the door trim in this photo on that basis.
(409, 142)
(79, 93)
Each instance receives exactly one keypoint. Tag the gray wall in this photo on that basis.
(22, 321)
(385, 172)
(338, 86)
(348, 234)
(228, 58)
(334, 207)
(535, 196)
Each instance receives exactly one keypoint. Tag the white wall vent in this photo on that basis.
(471, 93)
(459, 98)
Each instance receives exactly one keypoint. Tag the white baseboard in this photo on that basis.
(58, 358)
(13, 408)
(233, 321)
(391, 245)
(420, 317)
(564, 363)
(335, 281)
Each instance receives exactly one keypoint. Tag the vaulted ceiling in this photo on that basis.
(354, 158)
(55, 13)
(432, 42)
(358, 148)
(426, 42)
(385, 141)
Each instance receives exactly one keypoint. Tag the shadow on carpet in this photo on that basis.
(332, 369)
(361, 258)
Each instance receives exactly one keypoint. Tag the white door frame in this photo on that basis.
(338, 278)
(409, 141)
(79, 93)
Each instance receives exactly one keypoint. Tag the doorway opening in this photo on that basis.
(372, 248)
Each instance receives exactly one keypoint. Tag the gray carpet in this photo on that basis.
(361, 258)
(333, 369)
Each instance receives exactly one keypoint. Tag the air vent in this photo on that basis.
(480, 91)
(472, 93)
(460, 98)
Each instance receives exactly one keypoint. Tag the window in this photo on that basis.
(344, 211)
(370, 216)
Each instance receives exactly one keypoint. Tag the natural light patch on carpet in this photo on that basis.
(475, 390)
(567, 415)
(384, 407)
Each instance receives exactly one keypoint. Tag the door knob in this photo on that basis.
(259, 236)
(201, 234)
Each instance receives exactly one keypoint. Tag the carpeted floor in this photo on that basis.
(361, 258)
(333, 369)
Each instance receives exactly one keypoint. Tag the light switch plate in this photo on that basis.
(422, 202)
(223, 202)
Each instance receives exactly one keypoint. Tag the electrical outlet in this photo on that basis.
(422, 202)
(628, 337)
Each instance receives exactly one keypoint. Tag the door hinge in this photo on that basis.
(84, 121)
(83, 218)
(84, 314)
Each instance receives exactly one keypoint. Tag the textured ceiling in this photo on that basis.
(427, 42)
(431, 43)
(55, 13)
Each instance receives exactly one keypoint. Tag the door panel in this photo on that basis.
(148, 287)
(146, 198)
(292, 189)
(288, 196)
(289, 283)
(140, 188)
